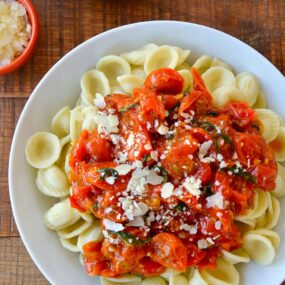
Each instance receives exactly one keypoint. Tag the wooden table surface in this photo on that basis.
(65, 24)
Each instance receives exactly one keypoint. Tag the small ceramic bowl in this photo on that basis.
(27, 53)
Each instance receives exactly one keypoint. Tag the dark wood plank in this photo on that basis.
(10, 110)
(16, 266)
(65, 24)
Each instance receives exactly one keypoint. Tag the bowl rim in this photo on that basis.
(12, 162)
(30, 48)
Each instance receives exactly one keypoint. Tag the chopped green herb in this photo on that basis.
(169, 136)
(107, 172)
(145, 158)
(180, 207)
(174, 107)
(207, 126)
(216, 145)
(207, 190)
(162, 171)
(241, 172)
(128, 107)
(213, 113)
(128, 238)
(227, 140)
(95, 206)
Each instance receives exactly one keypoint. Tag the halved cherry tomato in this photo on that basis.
(90, 146)
(151, 107)
(203, 172)
(240, 113)
(148, 267)
(94, 176)
(168, 250)
(82, 198)
(120, 101)
(264, 176)
(164, 80)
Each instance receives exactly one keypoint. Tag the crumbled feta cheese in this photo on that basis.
(223, 164)
(204, 147)
(112, 226)
(162, 130)
(137, 222)
(216, 200)
(110, 180)
(188, 228)
(99, 101)
(218, 225)
(106, 123)
(156, 123)
(147, 146)
(219, 157)
(192, 185)
(202, 244)
(167, 190)
(123, 169)
(154, 155)
(130, 140)
(148, 125)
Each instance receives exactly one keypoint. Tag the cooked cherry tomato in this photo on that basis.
(240, 113)
(164, 80)
(169, 251)
(148, 267)
(121, 102)
(91, 146)
(264, 176)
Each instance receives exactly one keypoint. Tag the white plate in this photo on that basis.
(61, 86)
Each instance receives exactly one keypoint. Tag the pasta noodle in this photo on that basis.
(249, 86)
(60, 123)
(225, 273)
(168, 273)
(279, 190)
(92, 82)
(260, 102)
(52, 182)
(129, 82)
(139, 72)
(182, 54)
(178, 280)
(217, 76)
(236, 256)
(278, 145)
(113, 66)
(270, 124)
(218, 62)
(261, 245)
(60, 216)
(163, 56)
(188, 80)
(93, 233)
(154, 281)
(42, 149)
(203, 63)
(225, 94)
(126, 280)
(137, 57)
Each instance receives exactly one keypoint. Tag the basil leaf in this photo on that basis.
(128, 107)
(180, 207)
(241, 172)
(107, 172)
(95, 206)
(227, 140)
(129, 239)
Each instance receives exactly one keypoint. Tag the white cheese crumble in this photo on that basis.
(203, 243)
(107, 123)
(112, 226)
(188, 228)
(216, 200)
(137, 222)
(192, 185)
(204, 147)
(162, 130)
(99, 101)
(167, 190)
(123, 169)
(110, 180)
(15, 31)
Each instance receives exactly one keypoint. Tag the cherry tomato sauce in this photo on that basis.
(185, 137)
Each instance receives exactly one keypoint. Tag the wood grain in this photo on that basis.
(65, 24)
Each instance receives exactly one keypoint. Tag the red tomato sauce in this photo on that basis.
(210, 159)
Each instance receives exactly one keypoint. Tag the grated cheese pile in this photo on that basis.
(15, 30)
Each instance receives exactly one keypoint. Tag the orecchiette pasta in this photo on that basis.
(52, 181)
(139, 72)
(163, 56)
(260, 102)
(113, 66)
(259, 246)
(60, 123)
(92, 82)
(154, 281)
(278, 145)
(270, 124)
(137, 57)
(188, 80)
(42, 149)
(218, 62)
(178, 279)
(203, 63)
(182, 54)
(224, 274)
(225, 94)
(279, 190)
(236, 256)
(249, 86)
(126, 280)
(129, 82)
(197, 279)
(217, 76)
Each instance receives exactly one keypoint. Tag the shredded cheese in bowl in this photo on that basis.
(15, 31)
